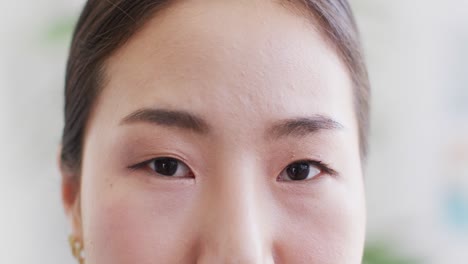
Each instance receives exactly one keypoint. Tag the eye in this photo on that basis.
(167, 167)
(300, 171)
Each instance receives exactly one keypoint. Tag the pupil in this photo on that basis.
(166, 166)
(298, 171)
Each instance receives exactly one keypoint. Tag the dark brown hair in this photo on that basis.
(105, 25)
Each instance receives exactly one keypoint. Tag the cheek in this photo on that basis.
(127, 219)
(127, 223)
(325, 227)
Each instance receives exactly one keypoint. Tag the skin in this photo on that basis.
(243, 67)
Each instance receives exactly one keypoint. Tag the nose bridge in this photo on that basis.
(235, 229)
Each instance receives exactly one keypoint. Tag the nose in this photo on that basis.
(235, 221)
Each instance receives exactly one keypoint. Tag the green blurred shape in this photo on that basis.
(382, 253)
(60, 30)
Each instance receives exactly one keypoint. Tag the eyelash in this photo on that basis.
(146, 163)
(324, 167)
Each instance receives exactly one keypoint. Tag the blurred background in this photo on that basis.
(417, 173)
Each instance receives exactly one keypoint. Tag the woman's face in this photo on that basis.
(225, 133)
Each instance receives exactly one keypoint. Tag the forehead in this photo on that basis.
(218, 58)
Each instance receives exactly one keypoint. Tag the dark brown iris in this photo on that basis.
(166, 166)
(298, 171)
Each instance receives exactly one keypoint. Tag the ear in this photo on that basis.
(71, 196)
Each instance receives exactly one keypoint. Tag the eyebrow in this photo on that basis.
(170, 118)
(297, 127)
(303, 126)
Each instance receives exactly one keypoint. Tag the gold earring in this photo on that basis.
(77, 248)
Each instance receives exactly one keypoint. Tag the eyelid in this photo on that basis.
(151, 157)
(146, 163)
(141, 164)
(322, 166)
(181, 166)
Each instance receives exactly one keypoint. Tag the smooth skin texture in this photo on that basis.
(237, 91)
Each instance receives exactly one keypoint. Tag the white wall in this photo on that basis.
(418, 167)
